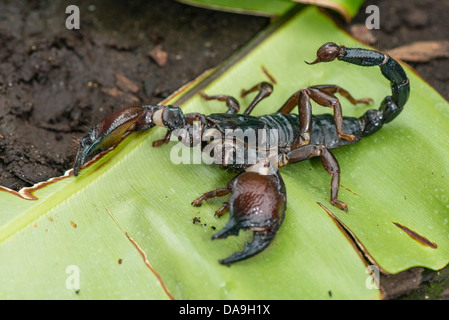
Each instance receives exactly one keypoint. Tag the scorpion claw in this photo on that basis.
(231, 229)
(85, 148)
(108, 133)
(260, 241)
(110, 130)
(257, 203)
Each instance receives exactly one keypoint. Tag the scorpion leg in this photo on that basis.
(222, 209)
(332, 89)
(323, 95)
(329, 162)
(220, 192)
(257, 202)
(109, 132)
(264, 88)
(163, 141)
(326, 99)
(302, 100)
(231, 102)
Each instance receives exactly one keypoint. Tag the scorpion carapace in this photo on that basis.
(258, 195)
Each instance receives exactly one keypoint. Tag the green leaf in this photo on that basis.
(254, 7)
(273, 8)
(134, 202)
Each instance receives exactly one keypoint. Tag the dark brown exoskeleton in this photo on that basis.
(258, 194)
(258, 202)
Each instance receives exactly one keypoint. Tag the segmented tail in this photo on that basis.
(392, 105)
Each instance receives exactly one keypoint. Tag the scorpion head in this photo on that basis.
(328, 52)
(258, 203)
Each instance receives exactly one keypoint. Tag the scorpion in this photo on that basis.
(258, 199)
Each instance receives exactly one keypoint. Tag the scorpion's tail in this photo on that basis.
(392, 105)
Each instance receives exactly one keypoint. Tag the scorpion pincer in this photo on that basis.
(258, 194)
(258, 202)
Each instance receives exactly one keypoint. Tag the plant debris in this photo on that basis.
(362, 33)
(421, 51)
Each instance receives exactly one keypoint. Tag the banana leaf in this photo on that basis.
(273, 8)
(123, 229)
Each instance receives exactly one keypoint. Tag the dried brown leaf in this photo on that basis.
(125, 83)
(362, 33)
(421, 51)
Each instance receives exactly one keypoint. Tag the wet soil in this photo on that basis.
(56, 83)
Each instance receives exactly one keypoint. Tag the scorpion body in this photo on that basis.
(258, 195)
